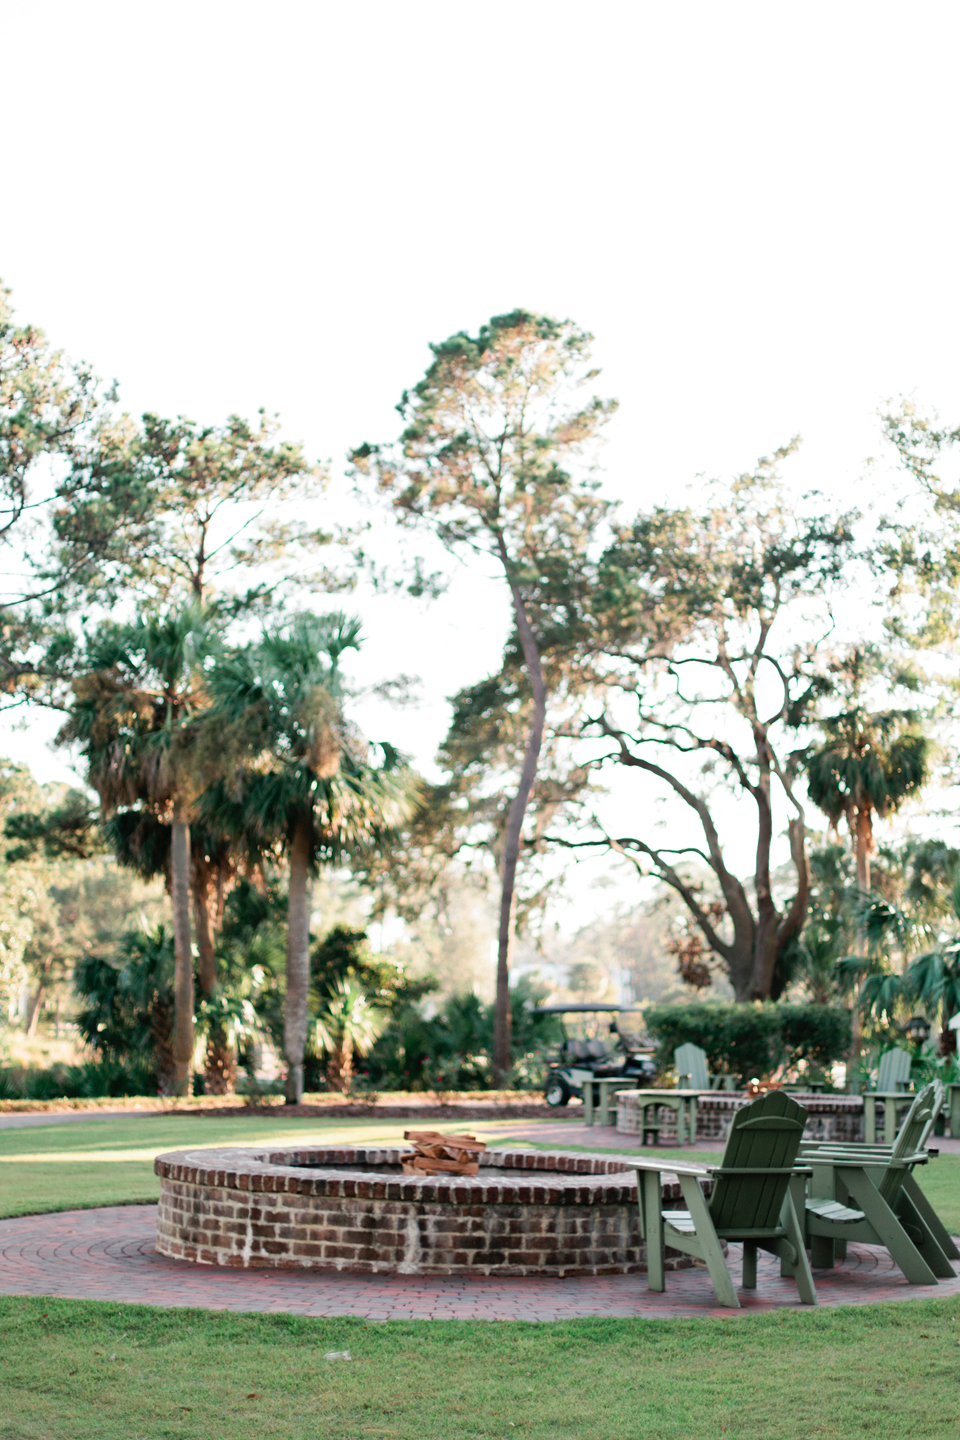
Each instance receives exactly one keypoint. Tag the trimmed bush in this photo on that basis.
(750, 1040)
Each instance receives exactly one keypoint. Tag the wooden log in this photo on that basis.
(436, 1153)
(436, 1137)
(426, 1165)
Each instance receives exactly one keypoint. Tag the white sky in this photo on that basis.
(753, 207)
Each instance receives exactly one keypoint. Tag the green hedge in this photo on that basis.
(751, 1040)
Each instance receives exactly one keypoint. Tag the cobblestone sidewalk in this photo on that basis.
(108, 1254)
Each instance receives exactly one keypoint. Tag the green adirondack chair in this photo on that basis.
(692, 1073)
(756, 1194)
(913, 1134)
(893, 1080)
(889, 1208)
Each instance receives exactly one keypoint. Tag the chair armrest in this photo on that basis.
(720, 1171)
(668, 1167)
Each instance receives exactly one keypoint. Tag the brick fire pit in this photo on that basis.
(525, 1213)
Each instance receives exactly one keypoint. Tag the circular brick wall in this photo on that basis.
(526, 1213)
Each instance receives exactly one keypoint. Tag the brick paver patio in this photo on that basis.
(108, 1254)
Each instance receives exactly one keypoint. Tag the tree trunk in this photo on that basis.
(33, 1012)
(220, 1064)
(183, 959)
(864, 847)
(768, 919)
(502, 1053)
(161, 1033)
(864, 843)
(206, 942)
(340, 1068)
(295, 1017)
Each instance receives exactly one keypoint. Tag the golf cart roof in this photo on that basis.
(586, 1009)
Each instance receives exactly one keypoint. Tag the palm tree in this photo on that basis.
(348, 1025)
(302, 780)
(141, 842)
(868, 765)
(933, 979)
(227, 1018)
(134, 715)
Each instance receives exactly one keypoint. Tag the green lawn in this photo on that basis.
(110, 1162)
(72, 1369)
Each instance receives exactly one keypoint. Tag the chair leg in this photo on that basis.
(791, 1223)
(650, 1196)
(749, 1265)
(822, 1252)
(890, 1233)
(923, 1237)
(707, 1237)
(930, 1218)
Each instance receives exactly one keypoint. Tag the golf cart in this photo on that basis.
(625, 1058)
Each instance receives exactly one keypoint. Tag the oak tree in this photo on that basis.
(495, 457)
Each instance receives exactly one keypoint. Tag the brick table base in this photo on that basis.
(109, 1254)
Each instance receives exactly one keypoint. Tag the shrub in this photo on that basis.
(818, 1034)
(451, 1050)
(95, 1080)
(749, 1040)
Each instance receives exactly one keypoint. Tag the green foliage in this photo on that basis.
(344, 954)
(452, 1049)
(818, 1034)
(750, 1040)
(690, 611)
(827, 934)
(109, 1076)
(346, 1026)
(343, 962)
(127, 1003)
(167, 509)
(68, 830)
(46, 402)
(292, 756)
(873, 761)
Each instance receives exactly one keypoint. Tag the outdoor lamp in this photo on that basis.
(917, 1029)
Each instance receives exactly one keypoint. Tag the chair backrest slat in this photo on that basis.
(764, 1135)
(912, 1136)
(893, 1072)
(691, 1061)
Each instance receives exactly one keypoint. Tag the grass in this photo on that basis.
(110, 1162)
(76, 1369)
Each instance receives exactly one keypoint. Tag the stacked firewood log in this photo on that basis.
(436, 1154)
(756, 1087)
